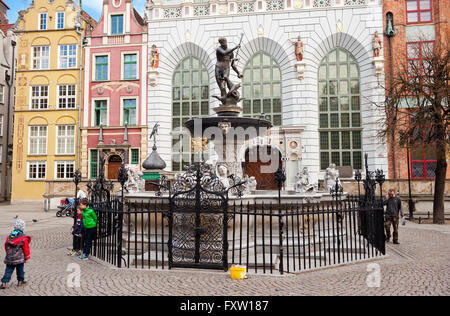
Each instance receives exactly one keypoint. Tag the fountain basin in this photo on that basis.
(243, 122)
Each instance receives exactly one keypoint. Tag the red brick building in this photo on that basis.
(410, 25)
(3, 12)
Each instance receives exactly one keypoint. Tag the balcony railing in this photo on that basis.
(119, 39)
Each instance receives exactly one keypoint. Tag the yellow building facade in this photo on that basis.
(48, 96)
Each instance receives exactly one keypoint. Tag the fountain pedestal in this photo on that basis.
(228, 132)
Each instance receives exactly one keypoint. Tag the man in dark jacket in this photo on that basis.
(17, 254)
(393, 213)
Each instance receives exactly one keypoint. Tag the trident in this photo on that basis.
(237, 53)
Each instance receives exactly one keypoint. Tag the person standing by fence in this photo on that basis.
(90, 228)
(77, 232)
(393, 213)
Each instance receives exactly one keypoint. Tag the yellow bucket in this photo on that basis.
(238, 273)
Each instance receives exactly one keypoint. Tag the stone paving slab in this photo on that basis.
(419, 266)
(34, 216)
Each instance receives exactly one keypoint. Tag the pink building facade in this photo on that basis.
(114, 114)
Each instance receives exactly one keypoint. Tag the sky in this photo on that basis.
(93, 7)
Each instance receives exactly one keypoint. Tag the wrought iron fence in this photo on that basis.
(198, 227)
(266, 238)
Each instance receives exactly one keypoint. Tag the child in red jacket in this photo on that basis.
(17, 254)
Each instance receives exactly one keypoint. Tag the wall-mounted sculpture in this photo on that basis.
(299, 53)
(378, 61)
(154, 65)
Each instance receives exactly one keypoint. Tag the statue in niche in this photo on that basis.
(299, 48)
(225, 60)
(303, 182)
(376, 45)
(154, 57)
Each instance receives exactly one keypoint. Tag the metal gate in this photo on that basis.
(198, 220)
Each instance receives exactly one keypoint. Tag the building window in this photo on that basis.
(340, 111)
(60, 20)
(418, 11)
(67, 56)
(423, 162)
(67, 96)
(129, 112)
(101, 113)
(1, 153)
(417, 54)
(134, 156)
(65, 140)
(64, 169)
(41, 57)
(262, 89)
(116, 24)
(38, 140)
(37, 170)
(39, 97)
(190, 98)
(94, 164)
(130, 67)
(1, 125)
(101, 68)
(2, 94)
(43, 21)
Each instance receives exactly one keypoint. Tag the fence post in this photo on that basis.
(280, 178)
(122, 178)
(76, 180)
(280, 224)
(225, 234)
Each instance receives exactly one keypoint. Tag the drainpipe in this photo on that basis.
(390, 33)
(9, 82)
(80, 88)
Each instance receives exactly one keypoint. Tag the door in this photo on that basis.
(113, 167)
(254, 167)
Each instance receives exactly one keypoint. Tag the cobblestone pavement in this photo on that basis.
(419, 266)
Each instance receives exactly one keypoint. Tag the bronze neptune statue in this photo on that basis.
(225, 61)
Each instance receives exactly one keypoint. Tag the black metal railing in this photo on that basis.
(198, 226)
(266, 238)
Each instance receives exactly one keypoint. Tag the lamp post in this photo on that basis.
(358, 178)
(380, 178)
(76, 180)
(410, 201)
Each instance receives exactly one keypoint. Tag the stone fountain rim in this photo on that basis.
(244, 122)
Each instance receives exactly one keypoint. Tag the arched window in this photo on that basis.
(262, 88)
(340, 111)
(190, 99)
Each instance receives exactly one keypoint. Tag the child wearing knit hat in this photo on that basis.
(17, 254)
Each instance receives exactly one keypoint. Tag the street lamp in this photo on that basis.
(410, 201)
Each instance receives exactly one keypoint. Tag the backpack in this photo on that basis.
(14, 253)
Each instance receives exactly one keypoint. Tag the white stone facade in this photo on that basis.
(323, 25)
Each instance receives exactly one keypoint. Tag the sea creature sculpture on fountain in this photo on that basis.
(135, 183)
(331, 177)
(303, 182)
